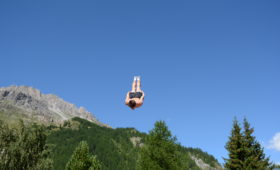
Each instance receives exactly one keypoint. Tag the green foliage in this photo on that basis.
(23, 147)
(253, 152)
(160, 150)
(276, 167)
(198, 153)
(234, 146)
(82, 160)
(187, 161)
(245, 153)
(112, 146)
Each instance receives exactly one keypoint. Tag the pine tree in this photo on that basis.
(82, 160)
(160, 151)
(245, 152)
(254, 154)
(276, 167)
(235, 148)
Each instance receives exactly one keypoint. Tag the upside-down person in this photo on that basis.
(135, 97)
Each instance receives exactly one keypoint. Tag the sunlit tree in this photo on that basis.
(23, 147)
(160, 151)
(245, 152)
(253, 152)
(82, 159)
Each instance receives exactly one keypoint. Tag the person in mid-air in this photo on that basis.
(135, 97)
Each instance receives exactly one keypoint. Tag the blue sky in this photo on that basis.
(202, 63)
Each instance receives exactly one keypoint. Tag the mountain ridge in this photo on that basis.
(30, 103)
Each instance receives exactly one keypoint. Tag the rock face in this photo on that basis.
(204, 166)
(46, 108)
(136, 141)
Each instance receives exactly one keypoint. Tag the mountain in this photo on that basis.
(31, 105)
(67, 125)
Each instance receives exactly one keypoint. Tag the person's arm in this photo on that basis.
(127, 99)
(143, 95)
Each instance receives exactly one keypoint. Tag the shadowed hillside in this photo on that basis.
(115, 148)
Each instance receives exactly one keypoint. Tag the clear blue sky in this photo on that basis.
(201, 62)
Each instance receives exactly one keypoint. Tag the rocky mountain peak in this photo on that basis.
(43, 107)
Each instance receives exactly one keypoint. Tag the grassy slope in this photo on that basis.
(11, 114)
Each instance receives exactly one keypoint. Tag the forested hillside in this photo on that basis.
(115, 148)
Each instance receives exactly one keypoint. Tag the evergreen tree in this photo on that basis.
(82, 160)
(235, 148)
(276, 167)
(253, 152)
(160, 151)
(245, 153)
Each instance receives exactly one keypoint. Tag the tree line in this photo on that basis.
(25, 146)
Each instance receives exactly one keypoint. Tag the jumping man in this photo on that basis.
(135, 97)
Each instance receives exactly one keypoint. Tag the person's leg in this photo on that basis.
(134, 84)
(138, 89)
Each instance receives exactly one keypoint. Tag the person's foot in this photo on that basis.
(138, 78)
(135, 78)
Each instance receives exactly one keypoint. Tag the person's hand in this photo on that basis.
(127, 98)
(127, 95)
(143, 95)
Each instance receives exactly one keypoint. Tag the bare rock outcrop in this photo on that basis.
(46, 108)
(204, 166)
